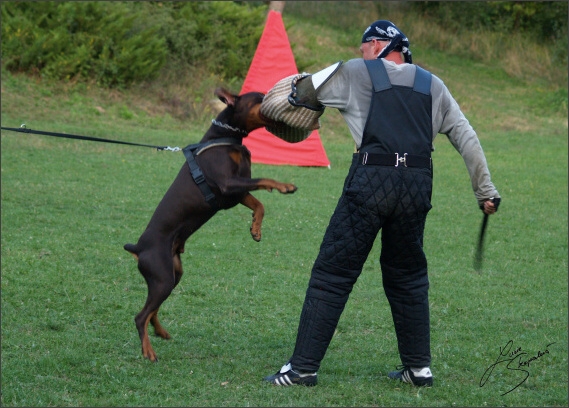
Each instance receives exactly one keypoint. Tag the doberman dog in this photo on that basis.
(219, 165)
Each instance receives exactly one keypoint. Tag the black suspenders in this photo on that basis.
(381, 82)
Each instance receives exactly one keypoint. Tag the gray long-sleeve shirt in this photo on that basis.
(350, 89)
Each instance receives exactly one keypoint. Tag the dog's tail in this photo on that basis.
(133, 249)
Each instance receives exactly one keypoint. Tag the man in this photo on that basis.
(394, 110)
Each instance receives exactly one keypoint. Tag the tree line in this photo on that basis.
(117, 44)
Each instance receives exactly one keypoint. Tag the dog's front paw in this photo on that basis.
(285, 188)
(256, 235)
(255, 229)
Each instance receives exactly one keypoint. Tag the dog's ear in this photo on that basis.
(225, 96)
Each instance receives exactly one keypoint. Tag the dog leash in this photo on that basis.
(24, 129)
(189, 151)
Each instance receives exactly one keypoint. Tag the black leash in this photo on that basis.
(24, 129)
(189, 151)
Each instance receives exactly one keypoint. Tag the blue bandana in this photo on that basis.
(384, 30)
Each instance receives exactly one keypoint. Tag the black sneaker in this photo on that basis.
(420, 377)
(287, 376)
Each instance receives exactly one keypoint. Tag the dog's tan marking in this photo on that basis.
(236, 157)
(251, 202)
(147, 350)
(158, 329)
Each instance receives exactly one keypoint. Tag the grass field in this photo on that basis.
(69, 292)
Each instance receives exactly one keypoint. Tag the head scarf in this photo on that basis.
(384, 30)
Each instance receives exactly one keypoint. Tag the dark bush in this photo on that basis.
(219, 36)
(111, 43)
(544, 21)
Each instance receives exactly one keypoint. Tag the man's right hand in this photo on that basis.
(490, 206)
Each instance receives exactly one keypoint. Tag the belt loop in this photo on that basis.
(364, 160)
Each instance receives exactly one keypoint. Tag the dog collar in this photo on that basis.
(226, 126)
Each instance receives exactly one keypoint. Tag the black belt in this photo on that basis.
(395, 159)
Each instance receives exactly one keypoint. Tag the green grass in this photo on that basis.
(70, 292)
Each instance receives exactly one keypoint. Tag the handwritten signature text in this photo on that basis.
(514, 359)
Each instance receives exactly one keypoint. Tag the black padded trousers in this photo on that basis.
(396, 201)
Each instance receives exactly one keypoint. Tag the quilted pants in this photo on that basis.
(396, 201)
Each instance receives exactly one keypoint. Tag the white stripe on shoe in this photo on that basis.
(406, 377)
(283, 380)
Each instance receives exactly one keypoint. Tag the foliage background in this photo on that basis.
(121, 43)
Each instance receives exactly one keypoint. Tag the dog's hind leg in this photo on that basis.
(159, 288)
(158, 329)
(258, 213)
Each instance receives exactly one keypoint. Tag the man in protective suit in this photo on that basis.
(394, 109)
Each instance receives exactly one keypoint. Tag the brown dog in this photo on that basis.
(226, 165)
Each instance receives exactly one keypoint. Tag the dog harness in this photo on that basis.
(193, 150)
